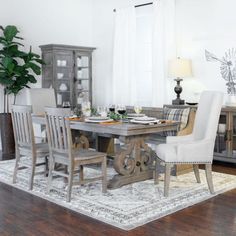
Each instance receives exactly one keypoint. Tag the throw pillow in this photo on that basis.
(180, 115)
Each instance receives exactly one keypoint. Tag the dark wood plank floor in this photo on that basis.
(24, 214)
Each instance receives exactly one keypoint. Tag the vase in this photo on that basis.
(7, 136)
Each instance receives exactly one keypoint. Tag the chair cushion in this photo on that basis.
(166, 152)
(180, 115)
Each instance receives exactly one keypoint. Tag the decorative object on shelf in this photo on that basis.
(227, 70)
(63, 87)
(17, 71)
(179, 68)
(79, 87)
(60, 75)
(66, 104)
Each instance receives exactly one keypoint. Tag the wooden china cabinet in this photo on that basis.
(68, 69)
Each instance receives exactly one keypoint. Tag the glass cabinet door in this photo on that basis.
(82, 84)
(221, 137)
(234, 135)
(63, 73)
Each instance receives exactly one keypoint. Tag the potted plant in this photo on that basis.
(17, 70)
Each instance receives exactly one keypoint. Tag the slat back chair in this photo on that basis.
(62, 151)
(22, 124)
(25, 143)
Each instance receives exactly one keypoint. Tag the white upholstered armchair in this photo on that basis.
(196, 148)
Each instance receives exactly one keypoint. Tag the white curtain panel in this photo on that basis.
(123, 81)
(164, 48)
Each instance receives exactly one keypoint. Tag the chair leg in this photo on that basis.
(81, 174)
(104, 175)
(167, 179)
(155, 173)
(208, 170)
(196, 172)
(46, 169)
(32, 172)
(51, 168)
(16, 166)
(70, 182)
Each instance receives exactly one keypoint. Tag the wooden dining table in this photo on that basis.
(134, 161)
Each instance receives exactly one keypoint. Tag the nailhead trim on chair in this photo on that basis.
(184, 162)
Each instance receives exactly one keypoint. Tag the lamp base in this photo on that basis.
(178, 101)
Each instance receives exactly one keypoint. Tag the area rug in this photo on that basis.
(127, 207)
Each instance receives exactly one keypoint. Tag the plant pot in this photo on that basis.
(7, 135)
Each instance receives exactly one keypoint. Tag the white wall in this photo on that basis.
(205, 24)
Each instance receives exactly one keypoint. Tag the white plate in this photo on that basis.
(98, 118)
(145, 122)
(132, 115)
(145, 118)
(97, 121)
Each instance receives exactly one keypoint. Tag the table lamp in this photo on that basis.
(179, 68)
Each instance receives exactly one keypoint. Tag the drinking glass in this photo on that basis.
(102, 111)
(121, 109)
(137, 109)
(112, 108)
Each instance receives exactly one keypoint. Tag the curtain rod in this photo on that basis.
(141, 5)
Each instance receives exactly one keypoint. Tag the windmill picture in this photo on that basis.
(227, 68)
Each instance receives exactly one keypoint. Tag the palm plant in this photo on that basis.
(17, 68)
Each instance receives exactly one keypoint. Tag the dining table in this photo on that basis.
(133, 162)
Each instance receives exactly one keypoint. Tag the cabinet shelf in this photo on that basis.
(83, 67)
(224, 158)
(59, 91)
(64, 67)
(82, 78)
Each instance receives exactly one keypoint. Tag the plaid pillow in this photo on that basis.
(178, 115)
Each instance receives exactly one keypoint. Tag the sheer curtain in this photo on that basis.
(123, 81)
(164, 48)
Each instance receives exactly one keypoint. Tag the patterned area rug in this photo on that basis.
(127, 207)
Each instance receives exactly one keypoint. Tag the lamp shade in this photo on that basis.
(180, 68)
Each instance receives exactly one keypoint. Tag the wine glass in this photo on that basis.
(112, 108)
(102, 111)
(137, 109)
(121, 109)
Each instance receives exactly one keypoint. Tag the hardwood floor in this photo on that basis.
(24, 214)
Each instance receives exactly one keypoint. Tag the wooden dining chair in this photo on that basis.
(62, 152)
(25, 143)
